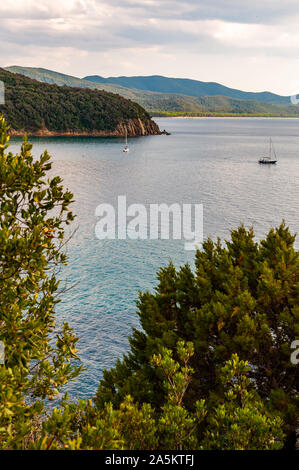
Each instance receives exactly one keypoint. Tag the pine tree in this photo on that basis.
(242, 298)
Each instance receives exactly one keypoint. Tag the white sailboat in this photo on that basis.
(126, 147)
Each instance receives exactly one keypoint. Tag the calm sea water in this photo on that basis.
(208, 161)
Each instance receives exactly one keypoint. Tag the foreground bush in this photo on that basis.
(34, 211)
(240, 422)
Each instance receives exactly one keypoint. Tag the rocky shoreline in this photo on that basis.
(134, 127)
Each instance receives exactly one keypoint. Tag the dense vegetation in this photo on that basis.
(34, 213)
(243, 299)
(31, 105)
(211, 368)
(214, 106)
(178, 98)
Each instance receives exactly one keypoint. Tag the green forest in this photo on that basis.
(210, 368)
(32, 106)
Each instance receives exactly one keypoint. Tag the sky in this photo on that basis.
(251, 45)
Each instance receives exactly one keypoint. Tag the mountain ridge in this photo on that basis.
(169, 104)
(189, 87)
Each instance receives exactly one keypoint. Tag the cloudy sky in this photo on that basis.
(251, 45)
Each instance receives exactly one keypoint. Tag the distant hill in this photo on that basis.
(187, 87)
(43, 109)
(216, 106)
(57, 78)
(159, 104)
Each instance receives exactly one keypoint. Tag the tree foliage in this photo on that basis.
(38, 353)
(241, 422)
(33, 106)
(241, 298)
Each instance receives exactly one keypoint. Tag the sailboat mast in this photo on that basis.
(275, 157)
(270, 155)
(126, 147)
(272, 150)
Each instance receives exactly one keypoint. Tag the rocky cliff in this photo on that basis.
(135, 128)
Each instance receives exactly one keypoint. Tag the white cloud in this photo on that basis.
(42, 8)
(114, 37)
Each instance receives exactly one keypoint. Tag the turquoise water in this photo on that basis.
(208, 161)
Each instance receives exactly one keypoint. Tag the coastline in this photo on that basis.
(133, 128)
(227, 117)
(21, 133)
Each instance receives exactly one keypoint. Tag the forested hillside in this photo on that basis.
(44, 109)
